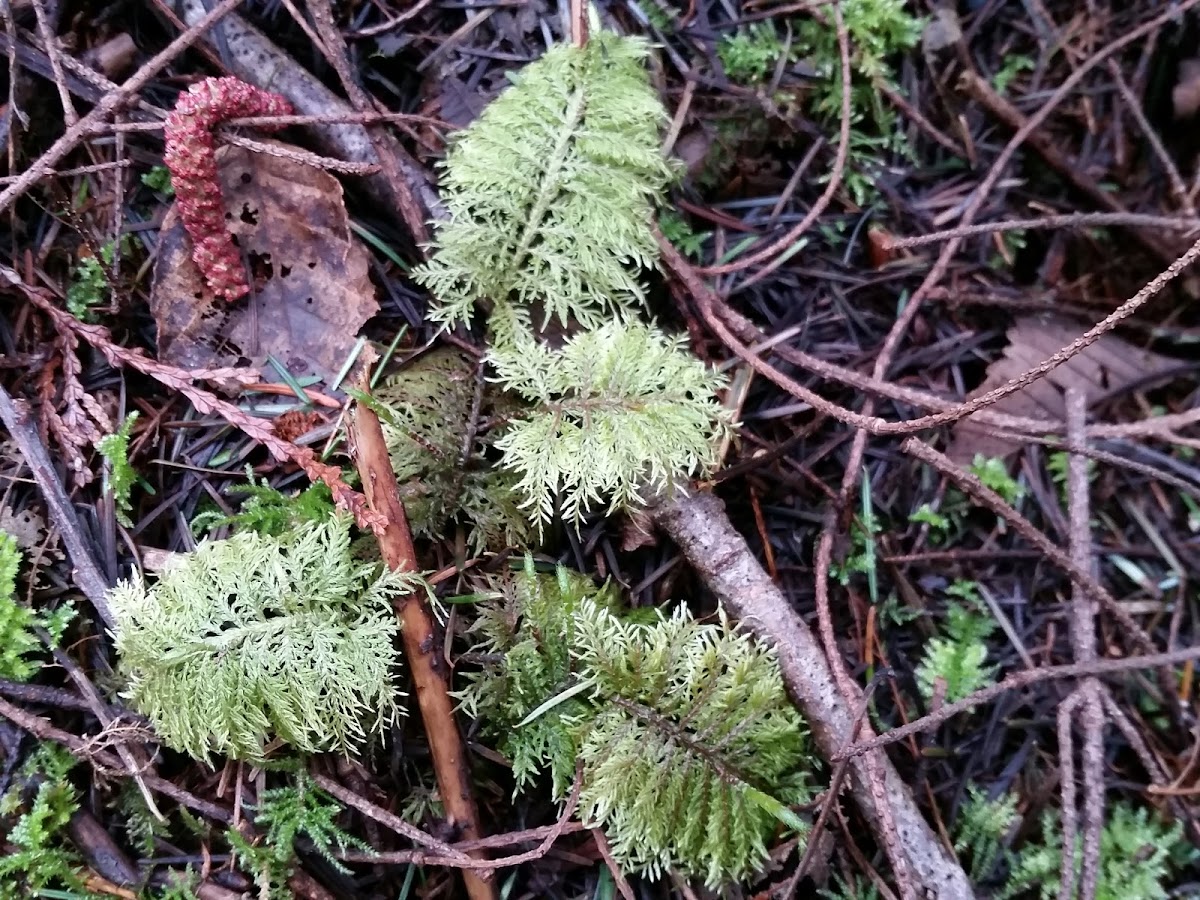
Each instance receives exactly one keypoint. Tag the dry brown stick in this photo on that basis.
(1065, 220)
(183, 382)
(83, 749)
(1092, 756)
(1069, 817)
(410, 210)
(111, 101)
(1079, 512)
(1082, 626)
(135, 758)
(18, 419)
(836, 779)
(385, 818)
(714, 312)
(610, 861)
(984, 94)
(54, 54)
(698, 524)
(1024, 679)
(978, 491)
(427, 666)
(546, 832)
(1134, 105)
(754, 340)
(873, 762)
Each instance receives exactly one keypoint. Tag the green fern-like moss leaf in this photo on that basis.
(38, 856)
(426, 411)
(695, 727)
(1138, 854)
(616, 412)
(550, 192)
(529, 624)
(119, 476)
(261, 636)
(689, 746)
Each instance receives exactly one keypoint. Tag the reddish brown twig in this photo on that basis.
(183, 382)
(427, 666)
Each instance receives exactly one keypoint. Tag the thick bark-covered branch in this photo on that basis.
(697, 522)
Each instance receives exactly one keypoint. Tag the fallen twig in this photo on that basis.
(18, 419)
(422, 647)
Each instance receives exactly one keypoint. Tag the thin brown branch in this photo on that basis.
(1019, 680)
(387, 819)
(422, 645)
(101, 759)
(715, 312)
(111, 101)
(978, 89)
(1066, 220)
(1085, 702)
(988, 498)
(19, 421)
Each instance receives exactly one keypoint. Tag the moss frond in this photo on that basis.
(529, 622)
(696, 727)
(19, 641)
(1138, 853)
(269, 511)
(119, 476)
(257, 636)
(39, 856)
(550, 191)
(426, 412)
(958, 657)
(616, 411)
(690, 748)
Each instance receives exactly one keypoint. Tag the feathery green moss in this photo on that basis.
(550, 193)
(260, 636)
(690, 749)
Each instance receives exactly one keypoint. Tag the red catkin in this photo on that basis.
(191, 157)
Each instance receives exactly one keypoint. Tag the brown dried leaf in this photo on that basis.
(1108, 365)
(311, 292)
(26, 526)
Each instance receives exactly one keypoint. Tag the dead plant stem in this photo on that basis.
(422, 645)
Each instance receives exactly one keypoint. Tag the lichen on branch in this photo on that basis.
(191, 156)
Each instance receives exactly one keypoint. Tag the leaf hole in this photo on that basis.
(261, 266)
